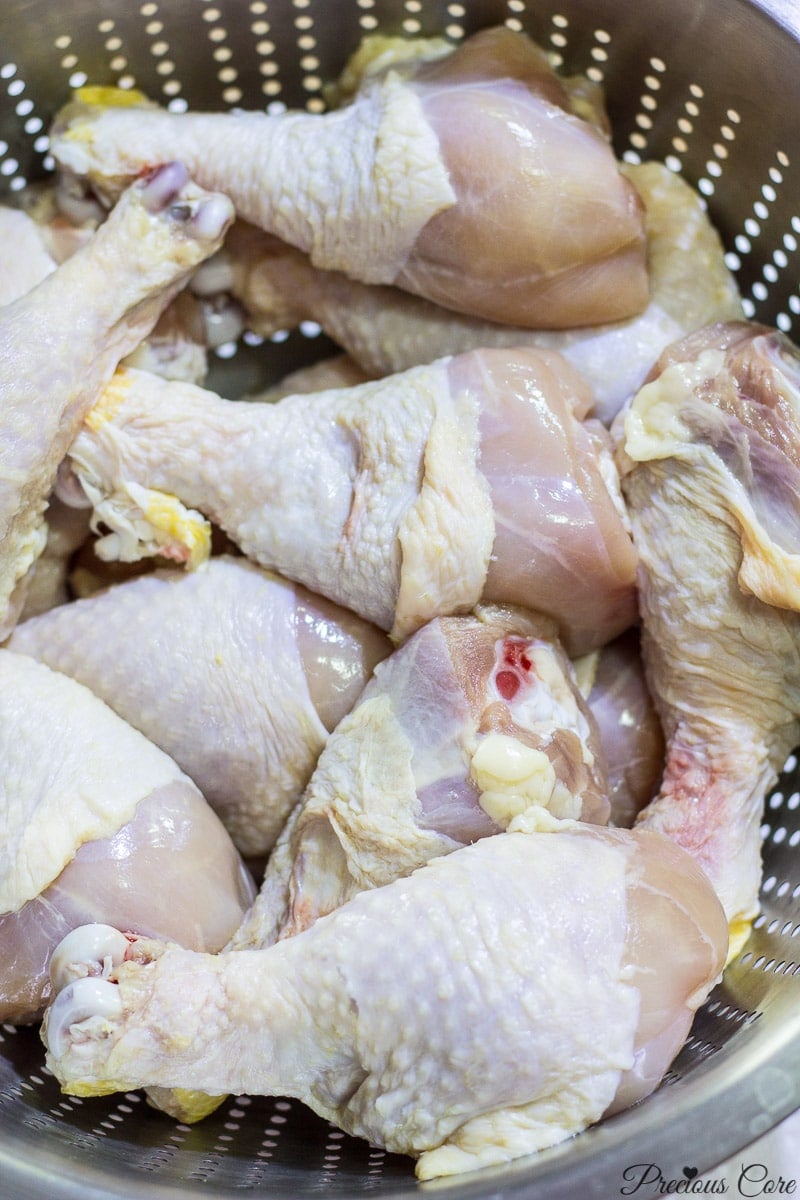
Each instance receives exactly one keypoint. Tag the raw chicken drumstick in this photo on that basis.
(24, 260)
(403, 499)
(613, 682)
(46, 585)
(495, 1002)
(473, 723)
(386, 330)
(235, 673)
(473, 726)
(177, 347)
(712, 445)
(61, 342)
(469, 180)
(98, 825)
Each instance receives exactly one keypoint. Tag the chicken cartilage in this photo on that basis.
(423, 179)
(403, 499)
(495, 1002)
(53, 367)
(99, 825)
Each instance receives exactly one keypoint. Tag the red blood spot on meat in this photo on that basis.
(507, 683)
(515, 654)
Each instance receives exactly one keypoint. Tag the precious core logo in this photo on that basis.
(754, 1179)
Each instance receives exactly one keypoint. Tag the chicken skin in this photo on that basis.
(613, 682)
(423, 180)
(233, 672)
(493, 1003)
(471, 723)
(53, 366)
(98, 825)
(711, 459)
(402, 499)
(386, 330)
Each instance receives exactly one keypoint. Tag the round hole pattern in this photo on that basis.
(758, 248)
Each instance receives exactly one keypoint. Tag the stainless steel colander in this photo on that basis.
(713, 88)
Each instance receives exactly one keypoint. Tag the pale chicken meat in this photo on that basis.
(712, 460)
(30, 249)
(98, 825)
(493, 1003)
(451, 955)
(472, 722)
(236, 674)
(38, 238)
(403, 499)
(47, 584)
(61, 342)
(423, 180)
(613, 682)
(386, 330)
(24, 260)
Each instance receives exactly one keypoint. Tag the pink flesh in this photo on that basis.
(545, 232)
(560, 546)
(430, 705)
(339, 652)
(493, 670)
(630, 731)
(172, 873)
(677, 943)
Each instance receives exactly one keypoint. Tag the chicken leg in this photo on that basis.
(98, 824)
(493, 1003)
(401, 186)
(712, 447)
(386, 330)
(402, 499)
(471, 724)
(60, 344)
(236, 674)
(612, 680)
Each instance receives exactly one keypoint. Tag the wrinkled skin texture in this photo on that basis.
(469, 1014)
(386, 330)
(53, 367)
(710, 465)
(234, 673)
(517, 502)
(409, 171)
(478, 720)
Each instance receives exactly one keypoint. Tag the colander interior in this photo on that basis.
(712, 89)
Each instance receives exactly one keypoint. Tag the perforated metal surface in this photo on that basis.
(712, 88)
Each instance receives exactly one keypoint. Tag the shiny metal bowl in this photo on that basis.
(713, 88)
